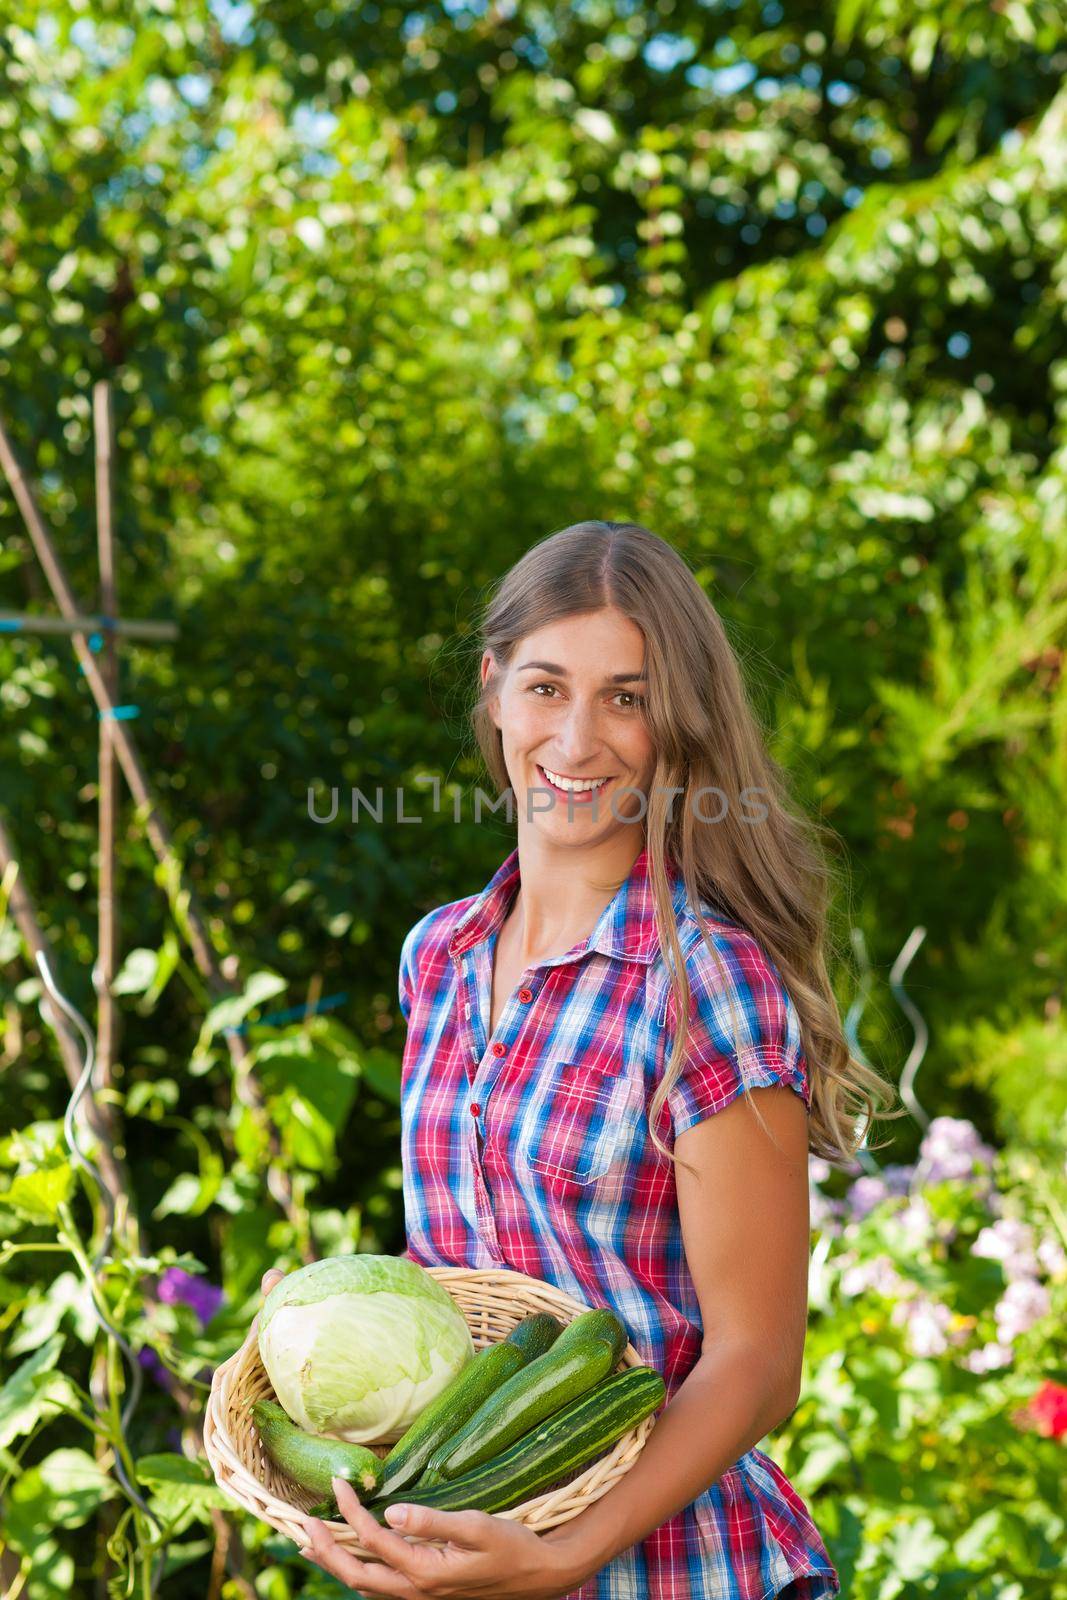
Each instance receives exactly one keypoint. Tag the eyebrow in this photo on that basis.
(561, 672)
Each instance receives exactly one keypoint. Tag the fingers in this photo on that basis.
(412, 1561)
(272, 1276)
(466, 1529)
(370, 1578)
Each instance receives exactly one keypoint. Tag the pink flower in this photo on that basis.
(1051, 1255)
(1048, 1407)
(1012, 1244)
(878, 1274)
(1024, 1302)
(989, 1358)
(927, 1322)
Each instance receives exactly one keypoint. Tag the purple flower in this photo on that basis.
(952, 1148)
(866, 1193)
(150, 1361)
(826, 1214)
(818, 1169)
(177, 1287)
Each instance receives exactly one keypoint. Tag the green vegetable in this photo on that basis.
(600, 1323)
(443, 1416)
(311, 1461)
(573, 1365)
(565, 1442)
(357, 1346)
(535, 1333)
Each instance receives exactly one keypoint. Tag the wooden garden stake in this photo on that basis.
(180, 892)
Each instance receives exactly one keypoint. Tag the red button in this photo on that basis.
(499, 1049)
(476, 1110)
(526, 995)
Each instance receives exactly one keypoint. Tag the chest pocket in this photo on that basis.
(579, 1127)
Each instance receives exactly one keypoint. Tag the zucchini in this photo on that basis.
(601, 1323)
(535, 1333)
(311, 1459)
(439, 1420)
(569, 1369)
(562, 1444)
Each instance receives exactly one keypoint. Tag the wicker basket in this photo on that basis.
(492, 1303)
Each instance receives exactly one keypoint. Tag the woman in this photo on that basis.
(618, 1056)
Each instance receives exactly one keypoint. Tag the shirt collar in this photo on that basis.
(626, 928)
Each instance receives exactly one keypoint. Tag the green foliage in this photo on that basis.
(923, 1465)
(385, 295)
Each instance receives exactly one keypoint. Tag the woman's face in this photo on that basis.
(570, 710)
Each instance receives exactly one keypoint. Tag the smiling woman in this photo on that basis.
(619, 1054)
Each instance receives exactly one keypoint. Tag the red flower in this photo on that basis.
(1048, 1407)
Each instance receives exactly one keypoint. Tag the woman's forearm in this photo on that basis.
(727, 1404)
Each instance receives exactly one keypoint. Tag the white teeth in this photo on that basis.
(579, 785)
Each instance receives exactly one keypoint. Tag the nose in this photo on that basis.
(575, 736)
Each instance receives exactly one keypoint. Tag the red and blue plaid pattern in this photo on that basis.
(527, 1147)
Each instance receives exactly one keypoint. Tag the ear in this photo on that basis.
(488, 666)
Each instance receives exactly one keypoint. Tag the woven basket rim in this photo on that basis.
(231, 1441)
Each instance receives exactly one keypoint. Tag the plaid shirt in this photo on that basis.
(527, 1148)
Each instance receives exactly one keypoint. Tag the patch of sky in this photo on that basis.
(881, 157)
(852, 196)
(810, 75)
(665, 51)
(816, 225)
(445, 101)
(958, 345)
(312, 125)
(195, 87)
(62, 105)
(772, 13)
(234, 18)
(722, 80)
(768, 89)
(839, 93)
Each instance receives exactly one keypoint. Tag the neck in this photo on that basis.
(564, 888)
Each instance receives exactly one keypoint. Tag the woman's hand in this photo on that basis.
(487, 1557)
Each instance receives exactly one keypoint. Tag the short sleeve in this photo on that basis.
(719, 1063)
(408, 970)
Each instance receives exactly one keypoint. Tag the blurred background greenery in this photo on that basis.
(387, 292)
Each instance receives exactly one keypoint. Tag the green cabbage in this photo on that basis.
(356, 1346)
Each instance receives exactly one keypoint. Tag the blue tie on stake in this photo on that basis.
(120, 713)
(292, 1014)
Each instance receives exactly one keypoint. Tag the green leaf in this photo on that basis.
(228, 1013)
(21, 1398)
(137, 972)
(67, 1294)
(381, 1072)
(63, 1490)
(182, 1490)
(37, 1196)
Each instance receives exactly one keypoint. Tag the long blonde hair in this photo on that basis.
(774, 879)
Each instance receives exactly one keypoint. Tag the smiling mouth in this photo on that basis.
(580, 788)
